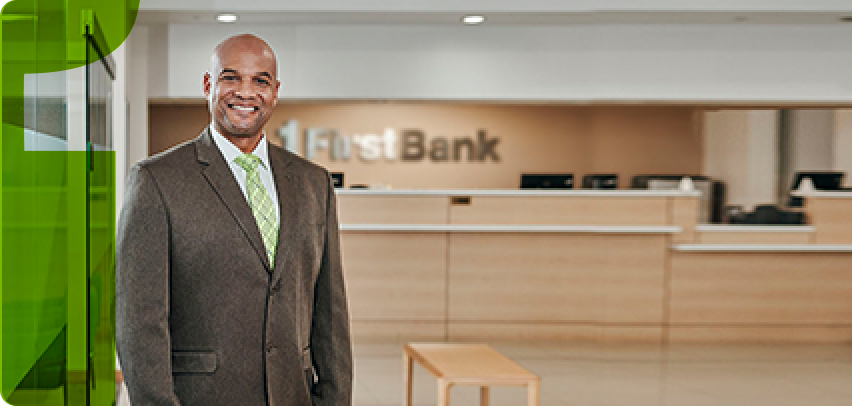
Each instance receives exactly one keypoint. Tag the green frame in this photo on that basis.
(57, 217)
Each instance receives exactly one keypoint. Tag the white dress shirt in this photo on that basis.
(231, 152)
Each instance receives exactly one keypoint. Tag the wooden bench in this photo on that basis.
(467, 364)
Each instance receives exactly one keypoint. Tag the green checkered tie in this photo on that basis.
(261, 204)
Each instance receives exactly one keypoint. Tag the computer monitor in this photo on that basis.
(600, 181)
(547, 181)
(337, 179)
(823, 180)
(644, 181)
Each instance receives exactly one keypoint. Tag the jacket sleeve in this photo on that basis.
(331, 349)
(142, 293)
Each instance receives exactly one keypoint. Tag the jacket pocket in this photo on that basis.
(194, 362)
(307, 362)
(308, 368)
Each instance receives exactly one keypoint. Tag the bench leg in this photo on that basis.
(444, 392)
(532, 393)
(407, 369)
(484, 396)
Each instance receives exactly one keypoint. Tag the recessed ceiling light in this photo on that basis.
(226, 18)
(473, 19)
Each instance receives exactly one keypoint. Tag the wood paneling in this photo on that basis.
(832, 218)
(393, 278)
(515, 286)
(761, 334)
(684, 213)
(627, 140)
(396, 331)
(556, 278)
(741, 237)
(392, 209)
(761, 288)
(579, 210)
(170, 125)
(530, 332)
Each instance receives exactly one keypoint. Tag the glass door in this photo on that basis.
(57, 205)
(35, 215)
(100, 209)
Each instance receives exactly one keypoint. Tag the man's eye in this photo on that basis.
(229, 78)
(261, 81)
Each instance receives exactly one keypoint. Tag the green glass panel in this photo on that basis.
(57, 206)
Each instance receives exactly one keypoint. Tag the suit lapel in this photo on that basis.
(221, 179)
(285, 187)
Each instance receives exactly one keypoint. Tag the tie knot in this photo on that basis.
(248, 162)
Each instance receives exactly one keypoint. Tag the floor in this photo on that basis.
(628, 375)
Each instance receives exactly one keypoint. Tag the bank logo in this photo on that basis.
(392, 144)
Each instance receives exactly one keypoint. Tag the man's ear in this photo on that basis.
(277, 86)
(206, 84)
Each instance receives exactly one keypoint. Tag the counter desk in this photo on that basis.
(625, 265)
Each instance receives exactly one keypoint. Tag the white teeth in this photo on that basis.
(241, 108)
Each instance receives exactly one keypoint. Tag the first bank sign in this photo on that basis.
(408, 145)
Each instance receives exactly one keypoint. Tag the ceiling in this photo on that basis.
(497, 18)
(498, 12)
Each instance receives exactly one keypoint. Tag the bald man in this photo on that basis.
(229, 287)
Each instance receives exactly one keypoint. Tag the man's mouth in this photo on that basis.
(244, 109)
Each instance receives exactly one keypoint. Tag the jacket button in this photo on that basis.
(269, 347)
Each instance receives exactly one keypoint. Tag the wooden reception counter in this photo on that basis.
(620, 265)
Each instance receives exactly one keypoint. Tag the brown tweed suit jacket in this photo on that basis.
(202, 317)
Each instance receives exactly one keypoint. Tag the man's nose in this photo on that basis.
(245, 89)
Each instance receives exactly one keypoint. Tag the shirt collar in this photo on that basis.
(231, 152)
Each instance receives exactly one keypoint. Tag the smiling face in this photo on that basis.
(241, 86)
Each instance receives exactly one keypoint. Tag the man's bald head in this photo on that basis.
(242, 88)
(242, 43)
